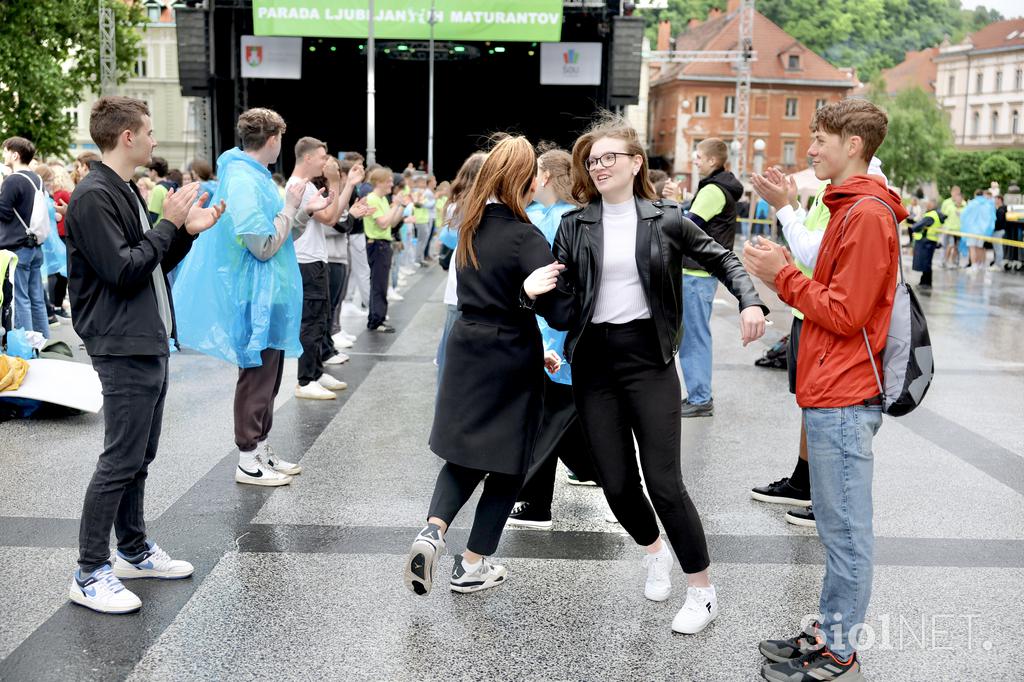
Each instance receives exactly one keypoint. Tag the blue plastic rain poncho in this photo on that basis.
(547, 218)
(55, 254)
(977, 217)
(228, 303)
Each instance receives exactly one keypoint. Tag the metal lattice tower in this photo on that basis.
(108, 51)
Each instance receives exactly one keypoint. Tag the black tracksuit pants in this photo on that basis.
(455, 485)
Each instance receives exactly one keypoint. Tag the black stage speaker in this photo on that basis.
(625, 61)
(193, 51)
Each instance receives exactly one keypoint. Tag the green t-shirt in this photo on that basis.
(156, 201)
(816, 221)
(708, 203)
(381, 208)
(952, 213)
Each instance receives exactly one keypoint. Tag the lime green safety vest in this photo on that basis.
(933, 229)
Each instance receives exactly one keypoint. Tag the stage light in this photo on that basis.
(403, 48)
(459, 48)
(312, 48)
(499, 49)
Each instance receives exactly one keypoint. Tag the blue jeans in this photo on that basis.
(695, 350)
(29, 299)
(841, 462)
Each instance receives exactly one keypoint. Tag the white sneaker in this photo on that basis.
(256, 472)
(330, 383)
(341, 342)
(154, 563)
(393, 295)
(421, 564)
(407, 270)
(349, 308)
(347, 335)
(484, 576)
(700, 608)
(102, 591)
(659, 574)
(272, 461)
(313, 391)
(337, 359)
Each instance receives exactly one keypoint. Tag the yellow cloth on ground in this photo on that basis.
(12, 372)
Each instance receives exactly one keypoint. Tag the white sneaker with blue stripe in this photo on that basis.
(153, 563)
(102, 591)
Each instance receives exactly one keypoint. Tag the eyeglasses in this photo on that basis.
(606, 160)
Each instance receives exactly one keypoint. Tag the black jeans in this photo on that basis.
(315, 316)
(254, 399)
(378, 255)
(622, 388)
(561, 438)
(134, 388)
(337, 279)
(455, 485)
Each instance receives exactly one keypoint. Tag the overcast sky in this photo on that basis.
(1008, 8)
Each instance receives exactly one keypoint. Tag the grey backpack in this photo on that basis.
(907, 363)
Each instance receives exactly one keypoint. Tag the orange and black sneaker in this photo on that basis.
(815, 666)
(782, 650)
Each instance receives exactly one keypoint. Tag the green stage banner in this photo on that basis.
(509, 20)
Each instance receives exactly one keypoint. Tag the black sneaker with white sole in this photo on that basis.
(782, 650)
(421, 565)
(526, 515)
(815, 666)
(480, 577)
(690, 410)
(801, 517)
(782, 492)
(383, 329)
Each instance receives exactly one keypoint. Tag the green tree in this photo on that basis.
(1000, 169)
(918, 135)
(679, 13)
(49, 57)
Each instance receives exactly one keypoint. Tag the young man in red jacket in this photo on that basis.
(852, 289)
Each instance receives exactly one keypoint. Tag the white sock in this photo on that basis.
(247, 459)
(471, 567)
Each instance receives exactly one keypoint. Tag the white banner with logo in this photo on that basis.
(266, 57)
(570, 63)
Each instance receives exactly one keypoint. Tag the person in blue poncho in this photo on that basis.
(561, 436)
(978, 217)
(239, 292)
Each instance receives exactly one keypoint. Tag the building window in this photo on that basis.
(730, 105)
(1018, 79)
(1015, 122)
(789, 153)
(995, 123)
(700, 106)
(999, 81)
(952, 84)
(975, 124)
(979, 82)
(72, 115)
(141, 63)
(793, 62)
(791, 104)
(819, 103)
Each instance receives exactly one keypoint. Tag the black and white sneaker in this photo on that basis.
(690, 410)
(782, 492)
(480, 577)
(383, 329)
(526, 515)
(782, 650)
(801, 517)
(421, 565)
(815, 666)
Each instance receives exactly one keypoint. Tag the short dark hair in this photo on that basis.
(174, 175)
(159, 165)
(25, 149)
(258, 125)
(201, 169)
(851, 117)
(111, 116)
(305, 145)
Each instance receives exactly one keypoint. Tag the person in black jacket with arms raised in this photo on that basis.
(489, 402)
(121, 306)
(623, 253)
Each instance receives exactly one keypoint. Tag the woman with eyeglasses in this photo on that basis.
(623, 253)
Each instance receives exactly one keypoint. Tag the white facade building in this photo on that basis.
(980, 82)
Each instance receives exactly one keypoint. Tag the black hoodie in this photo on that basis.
(722, 227)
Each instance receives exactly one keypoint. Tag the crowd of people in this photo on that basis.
(576, 283)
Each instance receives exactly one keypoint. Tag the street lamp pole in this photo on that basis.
(371, 124)
(430, 97)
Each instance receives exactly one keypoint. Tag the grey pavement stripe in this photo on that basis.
(201, 525)
(589, 546)
(26, 531)
(1002, 464)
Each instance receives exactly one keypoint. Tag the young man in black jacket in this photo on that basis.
(122, 309)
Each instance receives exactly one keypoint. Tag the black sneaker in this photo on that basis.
(782, 492)
(801, 517)
(782, 650)
(526, 515)
(694, 410)
(383, 329)
(814, 667)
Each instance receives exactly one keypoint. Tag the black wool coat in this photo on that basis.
(490, 399)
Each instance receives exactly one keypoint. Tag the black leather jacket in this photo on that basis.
(663, 237)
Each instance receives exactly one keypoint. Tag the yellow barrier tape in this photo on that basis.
(756, 221)
(994, 240)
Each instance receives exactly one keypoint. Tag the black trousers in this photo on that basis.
(337, 280)
(455, 485)
(561, 438)
(255, 392)
(134, 388)
(622, 389)
(378, 255)
(315, 320)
